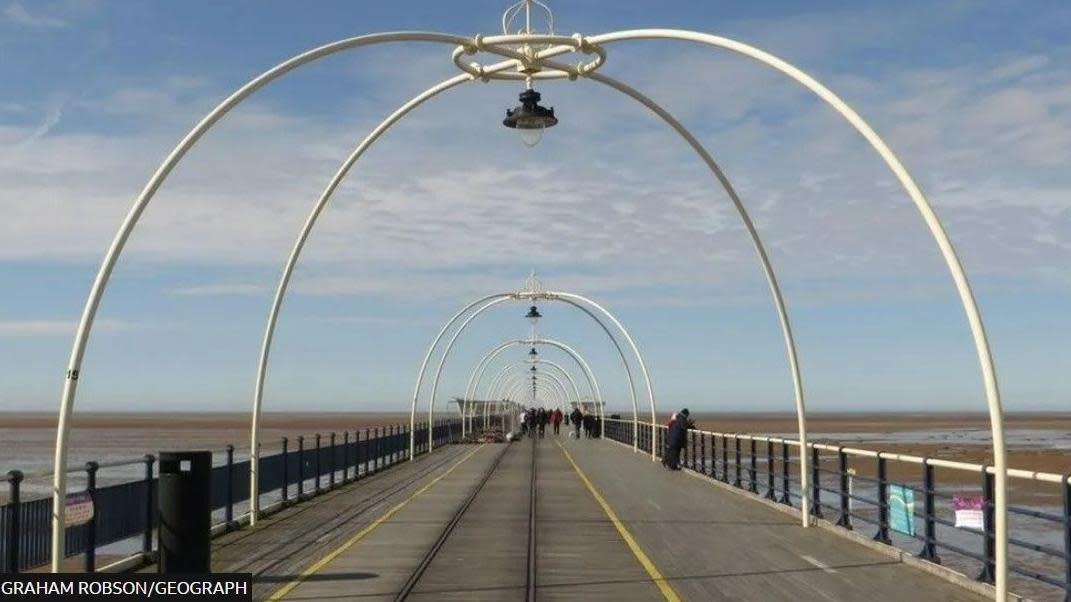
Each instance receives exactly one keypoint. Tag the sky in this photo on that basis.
(449, 206)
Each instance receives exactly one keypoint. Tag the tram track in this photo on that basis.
(336, 524)
(410, 586)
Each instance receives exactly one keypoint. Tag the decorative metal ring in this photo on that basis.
(502, 46)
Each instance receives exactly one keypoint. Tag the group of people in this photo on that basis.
(586, 423)
(534, 422)
(676, 438)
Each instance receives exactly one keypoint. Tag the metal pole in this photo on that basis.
(331, 462)
(150, 507)
(286, 471)
(301, 466)
(91, 526)
(883, 504)
(345, 456)
(988, 573)
(14, 526)
(929, 546)
(845, 519)
(816, 484)
(229, 512)
(771, 482)
(317, 464)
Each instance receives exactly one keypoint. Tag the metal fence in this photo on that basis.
(769, 466)
(302, 469)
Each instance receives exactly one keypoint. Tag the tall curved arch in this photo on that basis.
(516, 377)
(442, 361)
(467, 413)
(779, 303)
(509, 371)
(592, 383)
(570, 298)
(937, 231)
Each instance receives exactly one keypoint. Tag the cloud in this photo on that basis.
(55, 328)
(16, 13)
(220, 289)
(612, 200)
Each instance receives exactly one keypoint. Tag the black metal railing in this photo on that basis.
(127, 510)
(736, 459)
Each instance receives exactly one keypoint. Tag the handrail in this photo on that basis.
(1018, 473)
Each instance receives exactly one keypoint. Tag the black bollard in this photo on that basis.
(185, 512)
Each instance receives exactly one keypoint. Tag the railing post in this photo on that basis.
(771, 482)
(786, 496)
(845, 518)
(816, 484)
(691, 436)
(753, 473)
(1066, 483)
(301, 466)
(331, 462)
(359, 457)
(228, 516)
(146, 538)
(14, 527)
(317, 464)
(286, 471)
(989, 572)
(702, 453)
(736, 480)
(91, 526)
(929, 545)
(725, 458)
(376, 447)
(883, 504)
(345, 456)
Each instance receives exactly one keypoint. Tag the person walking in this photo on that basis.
(556, 419)
(541, 420)
(589, 425)
(576, 418)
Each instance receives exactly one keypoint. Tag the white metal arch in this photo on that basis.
(565, 374)
(442, 86)
(570, 298)
(756, 240)
(517, 377)
(511, 371)
(578, 42)
(442, 361)
(933, 223)
(593, 384)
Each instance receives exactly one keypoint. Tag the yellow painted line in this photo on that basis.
(667, 590)
(283, 591)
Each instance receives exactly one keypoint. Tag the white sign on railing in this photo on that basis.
(968, 512)
(79, 509)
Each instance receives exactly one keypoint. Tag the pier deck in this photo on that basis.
(455, 525)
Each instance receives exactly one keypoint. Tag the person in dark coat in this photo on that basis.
(541, 420)
(675, 440)
(576, 418)
(556, 420)
(589, 425)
